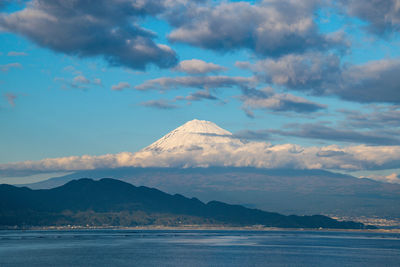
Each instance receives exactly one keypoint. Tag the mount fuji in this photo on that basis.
(201, 159)
(200, 143)
(194, 135)
(197, 143)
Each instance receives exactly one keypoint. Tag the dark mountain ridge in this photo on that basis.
(115, 202)
(285, 191)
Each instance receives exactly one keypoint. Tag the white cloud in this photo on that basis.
(97, 81)
(196, 66)
(251, 154)
(120, 86)
(81, 79)
(9, 66)
(391, 178)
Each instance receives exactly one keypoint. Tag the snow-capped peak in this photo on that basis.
(201, 126)
(194, 134)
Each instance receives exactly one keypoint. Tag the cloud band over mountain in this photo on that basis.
(251, 154)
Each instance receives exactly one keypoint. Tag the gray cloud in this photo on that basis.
(322, 132)
(330, 153)
(9, 66)
(72, 69)
(249, 113)
(16, 54)
(199, 95)
(107, 28)
(381, 117)
(375, 81)
(383, 17)
(252, 98)
(196, 66)
(311, 71)
(257, 135)
(267, 99)
(10, 98)
(78, 82)
(323, 74)
(159, 104)
(207, 82)
(120, 86)
(269, 28)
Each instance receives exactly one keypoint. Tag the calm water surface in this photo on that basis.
(198, 248)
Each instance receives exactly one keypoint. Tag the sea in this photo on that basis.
(198, 248)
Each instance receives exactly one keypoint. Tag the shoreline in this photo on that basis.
(192, 228)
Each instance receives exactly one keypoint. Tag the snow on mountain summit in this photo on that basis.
(201, 126)
(194, 134)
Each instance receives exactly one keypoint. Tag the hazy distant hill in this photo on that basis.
(113, 202)
(285, 191)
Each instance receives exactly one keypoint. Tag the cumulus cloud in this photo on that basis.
(207, 82)
(110, 30)
(311, 71)
(323, 74)
(159, 104)
(267, 99)
(374, 81)
(120, 86)
(269, 28)
(383, 17)
(196, 66)
(9, 66)
(254, 154)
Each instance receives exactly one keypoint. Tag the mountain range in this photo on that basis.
(110, 202)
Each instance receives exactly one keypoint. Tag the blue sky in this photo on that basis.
(331, 69)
